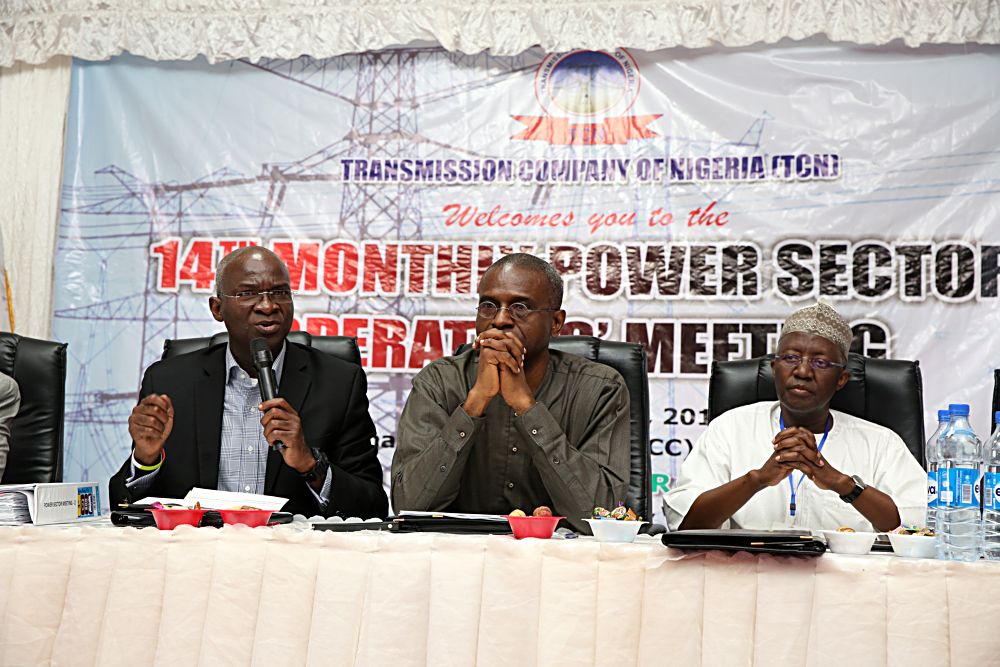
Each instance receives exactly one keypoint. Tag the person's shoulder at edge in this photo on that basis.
(8, 386)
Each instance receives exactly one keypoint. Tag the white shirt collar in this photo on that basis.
(231, 364)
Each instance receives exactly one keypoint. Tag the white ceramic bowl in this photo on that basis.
(913, 546)
(612, 530)
(848, 543)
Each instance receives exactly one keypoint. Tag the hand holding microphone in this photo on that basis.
(260, 354)
(282, 425)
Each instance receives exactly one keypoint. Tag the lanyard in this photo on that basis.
(795, 487)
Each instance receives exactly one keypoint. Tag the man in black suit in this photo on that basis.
(200, 421)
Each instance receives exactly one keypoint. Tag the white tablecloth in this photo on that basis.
(284, 597)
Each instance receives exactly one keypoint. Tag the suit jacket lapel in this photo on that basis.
(209, 394)
(294, 387)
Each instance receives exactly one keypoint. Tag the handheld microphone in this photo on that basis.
(260, 354)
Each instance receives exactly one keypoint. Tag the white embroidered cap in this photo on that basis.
(820, 320)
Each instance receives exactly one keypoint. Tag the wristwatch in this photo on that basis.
(859, 486)
(319, 470)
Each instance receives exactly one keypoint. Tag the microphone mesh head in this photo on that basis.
(260, 352)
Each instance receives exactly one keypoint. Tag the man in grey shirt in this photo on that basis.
(10, 399)
(511, 424)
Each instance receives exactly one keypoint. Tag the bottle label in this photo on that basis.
(958, 487)
(991, 498)
(944, 480)
(932, 488)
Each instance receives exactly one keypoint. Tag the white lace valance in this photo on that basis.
(32, 31)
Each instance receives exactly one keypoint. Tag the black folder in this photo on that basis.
(424, 524)
(784, 542)
(447, 524)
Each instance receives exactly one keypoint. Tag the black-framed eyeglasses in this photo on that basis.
(816, 363)
(253, 297)
(518, 310)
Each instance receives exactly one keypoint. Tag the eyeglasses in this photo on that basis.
(819, 364)
(519, 311)
(251, 297)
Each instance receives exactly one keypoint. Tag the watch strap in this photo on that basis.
(859, 486)
(318, 470)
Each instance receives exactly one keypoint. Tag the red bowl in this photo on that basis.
(252, 518)
(533, 526)
(167, 519)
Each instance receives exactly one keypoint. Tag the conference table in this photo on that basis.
(287, 596)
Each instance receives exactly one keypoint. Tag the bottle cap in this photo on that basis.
(944, 415)
(996, 417)
(960, 409)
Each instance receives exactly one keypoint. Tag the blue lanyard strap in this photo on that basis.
(795, 487)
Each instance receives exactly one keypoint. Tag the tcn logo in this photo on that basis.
(594, 86)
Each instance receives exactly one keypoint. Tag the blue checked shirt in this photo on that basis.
(242, 448)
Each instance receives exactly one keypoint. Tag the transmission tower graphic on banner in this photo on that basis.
(125, 209)
(118, 215)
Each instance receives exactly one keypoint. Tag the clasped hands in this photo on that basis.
(501, 371)
(152, 420)
(795, 449)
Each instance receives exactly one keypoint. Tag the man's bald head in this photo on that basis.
(238, 256)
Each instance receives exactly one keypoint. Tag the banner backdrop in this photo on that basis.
(690, 199)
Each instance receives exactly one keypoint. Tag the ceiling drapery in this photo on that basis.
(33, 31)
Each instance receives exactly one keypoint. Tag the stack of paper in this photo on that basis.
(58, 502)
(16, 506)
(219, 500)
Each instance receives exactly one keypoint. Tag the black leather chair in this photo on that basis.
(888, 392)
(629, 359)
(343, 347)
(36, 439)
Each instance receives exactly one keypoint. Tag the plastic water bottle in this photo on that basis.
(991, 494)
(959, 520)
(932, 455)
